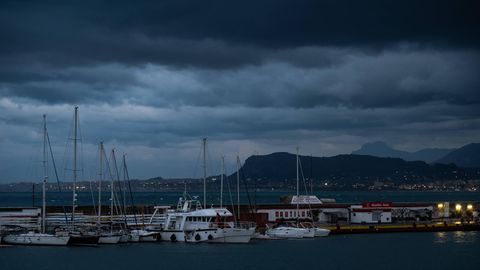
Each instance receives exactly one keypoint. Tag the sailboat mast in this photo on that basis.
(45, 172)
(238, 187)
(204, 172)
(298, 199)
(221, 181)
(74, 167)
(111, 191)
(100, 174)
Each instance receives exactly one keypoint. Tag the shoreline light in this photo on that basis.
(458, 207)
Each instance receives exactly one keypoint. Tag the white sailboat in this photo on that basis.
(105, 237)
(293, 231)
(34, 238)
(78, 236)
(191, 223)
(233, 232)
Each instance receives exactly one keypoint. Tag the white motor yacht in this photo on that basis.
(191, 223)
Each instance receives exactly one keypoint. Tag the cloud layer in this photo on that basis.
(152, 79)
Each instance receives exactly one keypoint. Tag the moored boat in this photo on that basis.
(32, 238)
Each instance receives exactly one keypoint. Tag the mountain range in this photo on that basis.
(351, 169)
(467, 156)
(381, 149)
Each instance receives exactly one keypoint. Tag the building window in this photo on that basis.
(303, 213)
(276, 214)
(281, 214)
(286, 214)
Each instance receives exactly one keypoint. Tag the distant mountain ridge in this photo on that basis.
(381, 149)
(467, 156)
(350, 169)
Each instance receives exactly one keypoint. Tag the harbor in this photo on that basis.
(338, 218)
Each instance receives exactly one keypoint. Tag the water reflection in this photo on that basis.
(454, 237)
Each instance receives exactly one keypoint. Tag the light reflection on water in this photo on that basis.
(458, 237)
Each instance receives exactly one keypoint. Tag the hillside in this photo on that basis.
(467, 156)
(351, 168)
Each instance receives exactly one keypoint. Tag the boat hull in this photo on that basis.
(109, 239)
(308, 233)
(285, 233)
(134, 238)
(196, 236)
(319, 232)
(234, 235)
(81, 240)
(36, 239)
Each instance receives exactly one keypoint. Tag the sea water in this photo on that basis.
(262, 197)
(439, 250)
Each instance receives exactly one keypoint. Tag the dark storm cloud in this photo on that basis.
(222, 34)
(152, 77)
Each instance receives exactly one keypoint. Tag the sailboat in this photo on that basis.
(105, 237)
(233, 232)
(138, 235)
(292, 231)
(34, 238)
(78, 237)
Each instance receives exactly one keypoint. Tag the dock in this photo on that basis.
(399, 228)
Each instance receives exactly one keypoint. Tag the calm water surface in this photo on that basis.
(452, 250)
(270, 197)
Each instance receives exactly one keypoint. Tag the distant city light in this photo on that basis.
(470, 207)
(440, 205)
(458, 207)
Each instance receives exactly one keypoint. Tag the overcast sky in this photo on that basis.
(151, 78)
